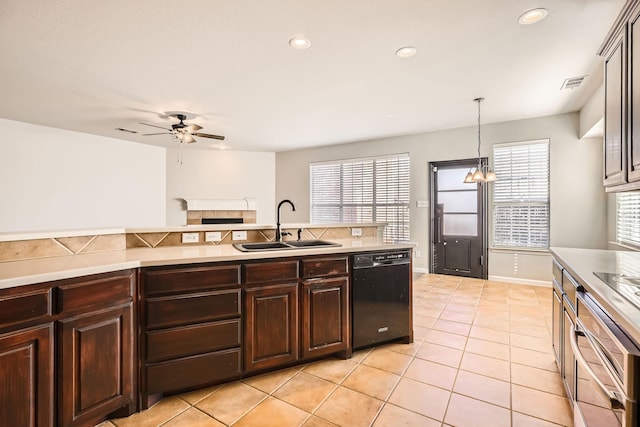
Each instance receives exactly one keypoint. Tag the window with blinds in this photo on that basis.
(628, 218)
(363, 190)
(521, 195)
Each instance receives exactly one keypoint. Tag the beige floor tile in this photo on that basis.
(457, 317)
(446, 339)
(408, 349)
(547, 406)
(422, 398)
(491, 323)
(159, 413)
(420, 333)
(105, 424)
(487, 366)
(426, 312)
(339, 408)
(539, 379)
(273, 413)
(489, 334)
(424, 321)
(196, 396)
(528, 319)
(334, 370)
(466, 412)
(192, 417)
(305, 391)
(371, 381)
(531, 343)
(431, 373)
(231, 402)
(488, 348)
(394, 416)
(460, 308)
(530, 330)
(534, 358)
(387, 360)
(452, 327)
(522, 420)
(483, 388)
(358, 356)
(271, 381)
(314, 421)
(440, 354)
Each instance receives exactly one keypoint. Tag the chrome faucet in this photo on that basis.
(293, 208)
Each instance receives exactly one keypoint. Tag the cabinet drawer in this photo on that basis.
(192, 308)
(190, 279)
(103, 291)
(270, 271)
(190, 340)
(317, 267)
(193, 371)
(557, 272)
(20, 308)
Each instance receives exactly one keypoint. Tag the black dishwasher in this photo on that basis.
(381, 306)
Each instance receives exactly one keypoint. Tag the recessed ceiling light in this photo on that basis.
(406, 52)
(300, 43)
(532, 16)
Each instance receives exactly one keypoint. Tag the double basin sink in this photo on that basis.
(277, 246)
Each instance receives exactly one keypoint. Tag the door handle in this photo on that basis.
(439, 229)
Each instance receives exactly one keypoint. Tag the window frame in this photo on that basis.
(628, 226)
(396, 231)
(532, 202)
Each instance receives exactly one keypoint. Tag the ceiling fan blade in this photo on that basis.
(155, 126)
(161, 133)
(206, 135)
(188, 138)
(193, 128)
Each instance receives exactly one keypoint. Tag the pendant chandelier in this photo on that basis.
(482, 173)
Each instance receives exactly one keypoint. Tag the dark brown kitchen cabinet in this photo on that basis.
(96, 348)
(325, 321)
(271, 326)
(96, 364)
(27, 377)
(86, 325)
(190, 328)
(621, 52)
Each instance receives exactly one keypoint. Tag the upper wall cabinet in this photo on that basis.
(621, 52)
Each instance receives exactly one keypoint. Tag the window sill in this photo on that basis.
(530, 251)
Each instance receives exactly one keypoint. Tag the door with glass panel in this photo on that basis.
(458, 221)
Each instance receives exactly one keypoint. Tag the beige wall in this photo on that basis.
(215, 174)
(54, 179)
(578, 202)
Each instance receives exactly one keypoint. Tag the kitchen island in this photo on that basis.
(111, 332)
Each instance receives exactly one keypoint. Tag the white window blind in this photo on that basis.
(628, 218)
(521, 195)
(363, 190)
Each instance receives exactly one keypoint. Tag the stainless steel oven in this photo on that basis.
(607, 364)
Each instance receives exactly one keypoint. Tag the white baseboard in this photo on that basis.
(520, 281)
(420, 270)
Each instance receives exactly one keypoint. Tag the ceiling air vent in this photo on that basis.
(573, 82)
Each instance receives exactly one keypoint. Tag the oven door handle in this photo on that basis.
(616, 401)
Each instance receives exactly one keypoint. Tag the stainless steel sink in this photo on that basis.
(277, 246)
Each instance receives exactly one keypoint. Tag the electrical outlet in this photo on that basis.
(416, 253)
(212, 236)
(190, 237)
(422, 203)
(356, 232)
(239, 235)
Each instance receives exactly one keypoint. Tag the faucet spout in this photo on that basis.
(278, 232)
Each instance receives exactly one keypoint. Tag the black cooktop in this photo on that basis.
(626, 286)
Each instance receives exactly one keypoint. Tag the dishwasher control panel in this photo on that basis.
(373, 259)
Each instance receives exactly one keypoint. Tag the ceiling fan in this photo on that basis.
(181, 131)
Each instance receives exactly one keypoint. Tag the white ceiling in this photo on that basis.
(95, 65)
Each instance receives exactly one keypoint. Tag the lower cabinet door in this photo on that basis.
(27, 377)
(271, 326)
(325, 327)
(96, 365)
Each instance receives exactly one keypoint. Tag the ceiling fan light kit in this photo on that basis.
(181, 131)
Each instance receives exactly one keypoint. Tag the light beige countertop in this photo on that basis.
(25, 272)
(582, 263)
